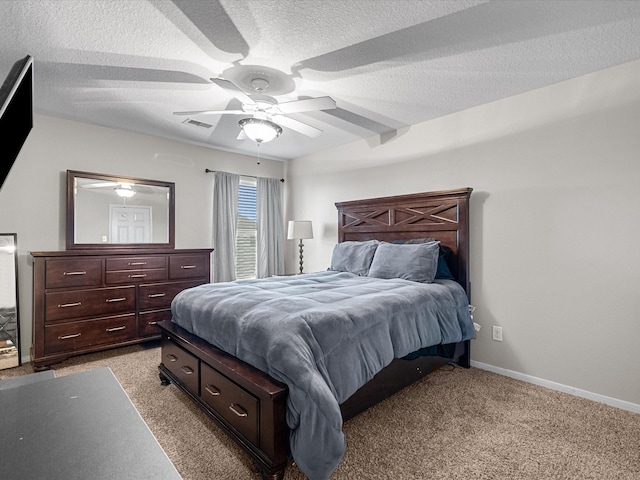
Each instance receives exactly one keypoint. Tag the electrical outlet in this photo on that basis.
(497, 333)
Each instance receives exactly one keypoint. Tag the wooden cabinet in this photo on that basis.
(84, 301)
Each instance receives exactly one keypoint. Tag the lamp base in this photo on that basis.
(301, 245)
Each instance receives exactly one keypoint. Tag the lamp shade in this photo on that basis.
(259, 130)
(299, 229)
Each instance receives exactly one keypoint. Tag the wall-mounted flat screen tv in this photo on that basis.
(16, 113)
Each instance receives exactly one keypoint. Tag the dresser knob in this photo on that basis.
(120, 299)
(67, 305)
(67, 337)
(116, 329)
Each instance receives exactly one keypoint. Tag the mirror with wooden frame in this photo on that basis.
(115, 212)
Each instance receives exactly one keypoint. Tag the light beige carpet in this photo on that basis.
(455, 424)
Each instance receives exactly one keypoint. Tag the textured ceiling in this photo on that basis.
(388, 64)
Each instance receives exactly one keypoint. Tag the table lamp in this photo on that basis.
(300, 229)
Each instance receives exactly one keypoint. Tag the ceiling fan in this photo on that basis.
(266, 115)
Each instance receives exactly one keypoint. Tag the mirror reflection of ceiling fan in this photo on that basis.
(266, 116)
(123, 189)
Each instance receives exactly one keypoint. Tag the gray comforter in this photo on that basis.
(323, 334)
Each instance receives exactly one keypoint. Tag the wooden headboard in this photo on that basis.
(442, 215)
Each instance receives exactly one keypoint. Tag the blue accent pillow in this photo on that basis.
(443, 271)
(353, 257)
(415, 262)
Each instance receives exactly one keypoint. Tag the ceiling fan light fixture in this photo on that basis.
(260, 130)
(125, 190)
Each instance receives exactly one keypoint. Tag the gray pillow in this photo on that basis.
(353, 257)
(415, 262)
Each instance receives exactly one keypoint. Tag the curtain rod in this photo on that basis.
(252, 176)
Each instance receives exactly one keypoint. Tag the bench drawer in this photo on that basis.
(237, 406)
(182, 364)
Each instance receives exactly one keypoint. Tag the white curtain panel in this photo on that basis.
(270, 227)
(225, 222)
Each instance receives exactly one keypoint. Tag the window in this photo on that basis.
(246, 250)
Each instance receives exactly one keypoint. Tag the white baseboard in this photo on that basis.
(614, 402)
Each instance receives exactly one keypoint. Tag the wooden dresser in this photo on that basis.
(88, 300)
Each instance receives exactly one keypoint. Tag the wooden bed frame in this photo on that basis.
(260, 429)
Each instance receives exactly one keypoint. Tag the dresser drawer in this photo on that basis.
(159, 295)
(64, 337)
(236, 405)
(91, 302)
(73, 273)
(136, 263)
(147, 322)
(129, 276)
(188, 266)
(182, 364)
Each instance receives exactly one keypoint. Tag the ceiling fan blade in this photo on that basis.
(212, 112)
(75, 73)
(308, 105)
(233, 90)
(241, 135)
(215, 24)
(297, 126)
(98, 185)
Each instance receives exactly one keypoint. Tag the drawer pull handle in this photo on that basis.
(187, 370)
(212, 390)
(172, 358)
(156, 295)
(112, 300)
(67, 305)
(238, 410)
(187, 267)
(138, 275)
(115, 329)
(135, 264)
(74, 273)
(67, 337)
(152, 323)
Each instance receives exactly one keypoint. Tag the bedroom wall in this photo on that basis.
(33, 198)
(555, 220)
